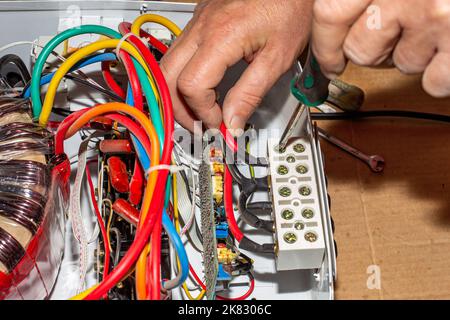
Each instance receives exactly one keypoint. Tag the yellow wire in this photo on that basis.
(139, 21)
(77, 56)
(177, 227)
(108, 226)
(135, 28)
(145, 122)
(84, 294)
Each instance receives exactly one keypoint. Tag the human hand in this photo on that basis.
(268, 34)
(415, 34)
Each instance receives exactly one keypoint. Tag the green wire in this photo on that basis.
(47, 50)
(152, 103)
(142, 75)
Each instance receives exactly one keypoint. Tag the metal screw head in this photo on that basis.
(284, 192)
(279, 149)
(282, 170)
(299, 148)
(310, 237)
(307, 213)
(287, 214)
(290, 159)
(301, 169)
(304, 191)
(299, 225)
(290, 237)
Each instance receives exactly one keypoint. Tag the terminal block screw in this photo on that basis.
(301, 169)
(290, 237)
(290, 159)
(299, 225)
(305, 191)
(282, 170)
(310, 237)
(307, 213)
(280, 149)
(287, 214)
(299, 148)
(285, 192)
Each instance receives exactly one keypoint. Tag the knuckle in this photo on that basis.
(359, 55)
(187, 86)
(407, 62)
(329, 11)
(438, 11)
(248, 99)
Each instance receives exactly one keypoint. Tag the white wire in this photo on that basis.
(33, 43)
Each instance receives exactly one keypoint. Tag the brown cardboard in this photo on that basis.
(398, 220)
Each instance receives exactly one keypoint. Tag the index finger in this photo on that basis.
(203, 73)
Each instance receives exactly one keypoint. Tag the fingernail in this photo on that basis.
(237, 124)
(331, 75)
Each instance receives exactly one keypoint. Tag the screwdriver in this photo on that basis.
(311, 90)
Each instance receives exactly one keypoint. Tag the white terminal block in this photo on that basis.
(299, 231)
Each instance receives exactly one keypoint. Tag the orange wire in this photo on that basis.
(154, 160)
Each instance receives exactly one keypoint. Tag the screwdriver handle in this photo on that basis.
(311, 86)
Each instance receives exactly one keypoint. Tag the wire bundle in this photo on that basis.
(144, 108)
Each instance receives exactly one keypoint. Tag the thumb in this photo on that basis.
(248, 92)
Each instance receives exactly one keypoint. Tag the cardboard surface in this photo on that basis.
(398, 220)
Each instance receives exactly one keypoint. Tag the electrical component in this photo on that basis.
(299, 228)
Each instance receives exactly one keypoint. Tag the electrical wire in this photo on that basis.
(380, 113)
(70, 62)
(101, 223)
(152, 196)
(109, 80)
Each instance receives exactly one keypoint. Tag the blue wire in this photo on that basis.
(179, 247)
(91, 60)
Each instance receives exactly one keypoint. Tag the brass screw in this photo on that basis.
(287, 214)
(299, 148)
(299, 225)
(290, 159)
(290, 237)
(305, 191)
(282, 170)
(285, 192)
(310, 237)
(301, 169)
(119, 285)
(307, 213)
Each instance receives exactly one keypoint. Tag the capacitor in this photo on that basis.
(115, 146)
(118, 175)
(124, 209)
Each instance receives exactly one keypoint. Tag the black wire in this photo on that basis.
(86, 83)
(19, 64)
(380, 113)
(247, 215)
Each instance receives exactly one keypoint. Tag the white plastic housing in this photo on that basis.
(301, 253)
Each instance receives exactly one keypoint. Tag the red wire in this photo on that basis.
(243, 297)
(109, 79)
(143, 234)
(100, 222)
(228, 202)
(229, 139)
(166, 156)
(157, 203)
(125, 27)
(135, 84)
